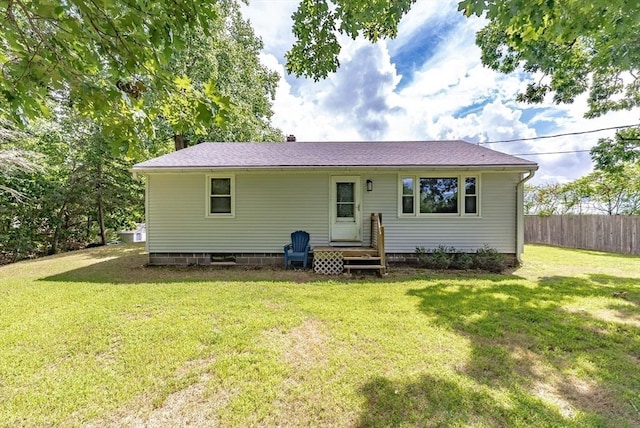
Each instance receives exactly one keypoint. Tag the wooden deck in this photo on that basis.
(350, 258)
(334, 260)
(349, 251)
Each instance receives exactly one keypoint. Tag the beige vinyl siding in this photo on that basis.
(268, 208)
(270, 205)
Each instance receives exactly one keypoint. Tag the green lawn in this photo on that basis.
(95, 338)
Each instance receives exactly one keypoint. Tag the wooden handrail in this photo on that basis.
(377, 238)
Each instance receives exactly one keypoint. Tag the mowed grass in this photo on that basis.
(95, 338)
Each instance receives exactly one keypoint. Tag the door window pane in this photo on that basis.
(345, 210)
(345, 200)
(345, 192)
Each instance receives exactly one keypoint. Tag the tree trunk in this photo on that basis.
(53, 244)
(179, 141)
(103, 235)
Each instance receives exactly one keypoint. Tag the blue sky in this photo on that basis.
(426, 84)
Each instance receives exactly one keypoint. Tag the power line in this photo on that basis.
(551, 153)
(561, 135)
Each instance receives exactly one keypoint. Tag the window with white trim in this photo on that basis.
(438, 195)
(471, 195)
(450, 195)
(407, 203)
(220, 196)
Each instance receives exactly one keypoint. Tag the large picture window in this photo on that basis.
(220, 196)
(438, 195)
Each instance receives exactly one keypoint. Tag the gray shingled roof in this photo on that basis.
(335, 154)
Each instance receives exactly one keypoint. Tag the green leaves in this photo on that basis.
(472, 7)
(577, 46)
(317, 23)
(183, 83)
(612, 188)
(568, 42)
(137, 69)
(315, 53)
(613, 155)
(93, 54)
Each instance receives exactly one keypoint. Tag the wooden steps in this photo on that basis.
(360, 258)
(355, 258)
(363, 262)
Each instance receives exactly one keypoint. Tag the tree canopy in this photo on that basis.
(612, 155)
(317, 23)
(573, 46)
(612, 188)
(136, 67)
(82, 190)
(105, 55)
(102, 56)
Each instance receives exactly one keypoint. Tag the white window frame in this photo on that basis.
(461, 194)
(232, 189)
(463, 203)
(401, 194)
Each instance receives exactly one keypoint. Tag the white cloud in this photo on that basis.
(421, 13)
(448, 95)
(271, 20)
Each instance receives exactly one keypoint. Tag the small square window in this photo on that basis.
(220, 196)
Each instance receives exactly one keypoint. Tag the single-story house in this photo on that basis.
(243, 200)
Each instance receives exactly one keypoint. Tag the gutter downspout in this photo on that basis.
(520, 214)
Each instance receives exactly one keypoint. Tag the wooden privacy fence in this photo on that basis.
(617, 234)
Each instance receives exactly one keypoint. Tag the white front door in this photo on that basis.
(346, 214)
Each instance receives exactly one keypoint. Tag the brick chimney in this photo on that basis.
(291, 138)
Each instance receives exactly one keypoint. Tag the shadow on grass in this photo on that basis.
(437, 402)
(561, 362)
(126, 264)
(132, 269)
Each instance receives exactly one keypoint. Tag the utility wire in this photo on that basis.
(560, 135)
(551, 153)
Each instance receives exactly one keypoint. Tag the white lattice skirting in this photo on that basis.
(328, 262)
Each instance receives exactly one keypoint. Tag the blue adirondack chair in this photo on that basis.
(298, 249)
